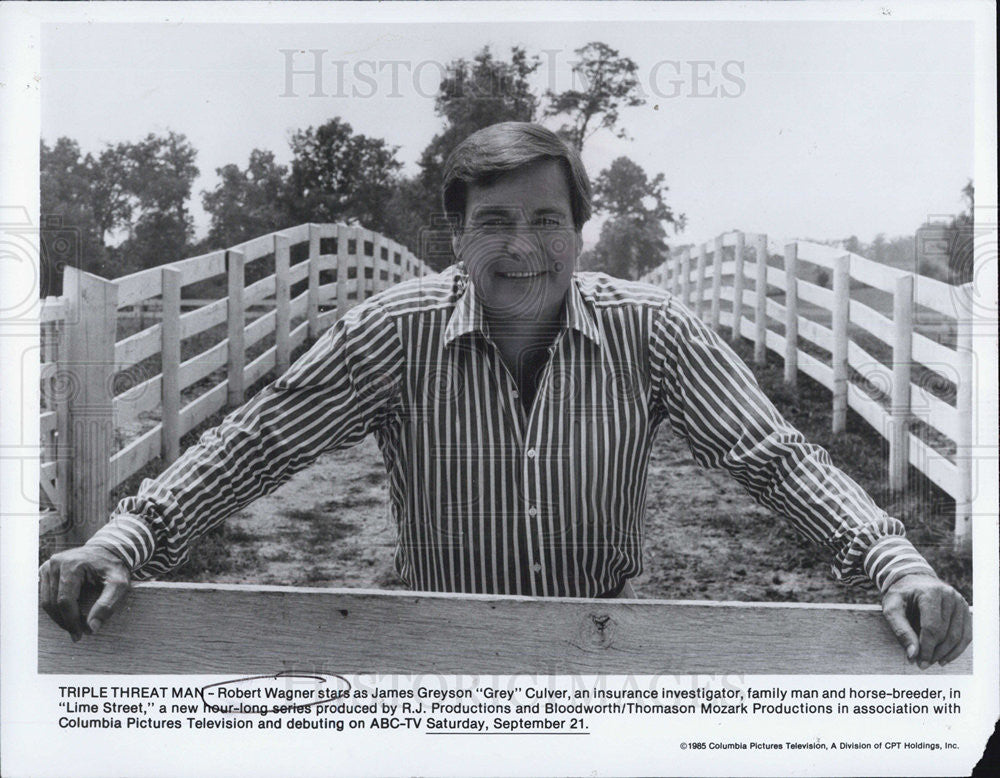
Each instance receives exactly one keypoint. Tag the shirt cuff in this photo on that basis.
(892, 557)
(129, 538)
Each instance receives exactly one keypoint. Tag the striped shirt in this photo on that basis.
(487, 495)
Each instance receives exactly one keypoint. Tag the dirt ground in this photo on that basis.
(705, 538)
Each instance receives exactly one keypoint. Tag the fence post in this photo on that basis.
(966, 427)
(91, 320)
(312, 298)
(841, 317)
(738, 288)
(686, 277)
(902, 360)
(760, 302)
(170, 361)
(343, 259)
(383, 265)
(699, 288)
(236, 321)
(716, 282)
(791, 314)
(282, 298)
(377, 283)
(63, 461)
(676, 274)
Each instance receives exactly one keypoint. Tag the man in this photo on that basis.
(515, 403)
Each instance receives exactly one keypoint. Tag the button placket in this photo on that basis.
(505, 389)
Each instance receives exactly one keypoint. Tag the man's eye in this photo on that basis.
(548, 221)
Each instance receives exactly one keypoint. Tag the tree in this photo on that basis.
(624, 189)
(633, 239)
(960, 239)
(159, 172)
(250, 202)
(112, 200)
(853, 245)
(338, 175)
(878, 247)
(408, 212)
(69, 234)
(628, 247)
(608, 84)
(139, 190)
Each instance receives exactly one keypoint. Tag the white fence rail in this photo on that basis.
(917, 395)
(98, 384)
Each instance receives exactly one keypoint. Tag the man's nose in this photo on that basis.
(521, 243)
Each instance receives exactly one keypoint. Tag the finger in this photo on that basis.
(895, 615)
(44, 601)
(55, 572)
(70, 582)
(963, 644)
(954, 621)
(47, 593)
(111, 595)
(43, 585)
(932, 627)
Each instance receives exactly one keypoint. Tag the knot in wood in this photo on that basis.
(599, 630)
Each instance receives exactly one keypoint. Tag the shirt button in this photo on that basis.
(536, 567)
(514, 394)
(532, 511)
(531, 453)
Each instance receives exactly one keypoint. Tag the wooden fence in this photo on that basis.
(97, 385)
(917, 394)
(265, 629)
(164, 628)
(98, 381)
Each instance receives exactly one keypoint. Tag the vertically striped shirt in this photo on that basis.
(489, 496)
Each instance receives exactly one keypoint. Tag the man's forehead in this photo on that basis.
(539, 186)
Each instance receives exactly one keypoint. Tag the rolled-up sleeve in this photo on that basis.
(711, 399)
(338, 392)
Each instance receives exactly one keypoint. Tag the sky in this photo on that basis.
(797, 129)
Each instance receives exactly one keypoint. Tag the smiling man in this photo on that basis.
(515, 402)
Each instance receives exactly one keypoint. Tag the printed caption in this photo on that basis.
(332, 703)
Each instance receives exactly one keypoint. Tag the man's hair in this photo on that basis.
(500, 148)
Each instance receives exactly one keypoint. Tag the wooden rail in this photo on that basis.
(220, 629)
(756, 287)
(82, 359)
(771, 302)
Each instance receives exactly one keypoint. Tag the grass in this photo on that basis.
(221, 550)
(927, 512)
(317, 528)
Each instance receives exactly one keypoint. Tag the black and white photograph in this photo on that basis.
(499, 388)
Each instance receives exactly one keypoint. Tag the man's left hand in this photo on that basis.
(922, 603)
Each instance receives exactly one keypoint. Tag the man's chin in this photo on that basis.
(521, 310)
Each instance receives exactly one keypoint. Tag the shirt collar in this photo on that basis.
(469, 317)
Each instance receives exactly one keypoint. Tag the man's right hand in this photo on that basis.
(62, 578)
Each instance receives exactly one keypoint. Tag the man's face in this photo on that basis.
(519, 244)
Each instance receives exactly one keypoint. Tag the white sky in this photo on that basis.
(842, 127)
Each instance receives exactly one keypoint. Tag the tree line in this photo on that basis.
(126, 207)
(942, 250)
